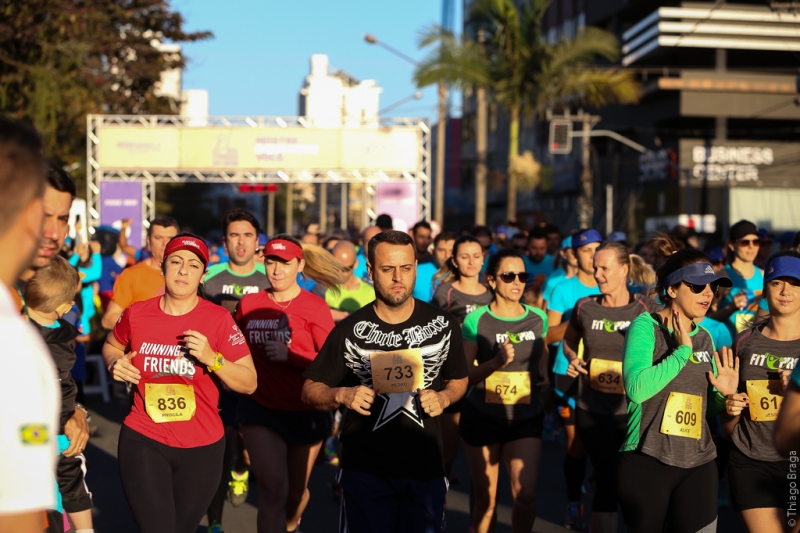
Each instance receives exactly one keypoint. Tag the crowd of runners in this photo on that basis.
(669, 367)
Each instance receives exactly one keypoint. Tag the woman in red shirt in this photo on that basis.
(171, 444)
(285, 327)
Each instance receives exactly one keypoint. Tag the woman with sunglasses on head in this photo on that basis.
(459, 292)
(285, 326)
(172, 443)
(503, 413)
(738, 306)
(601, 409)
(673, 377)
(768, 352)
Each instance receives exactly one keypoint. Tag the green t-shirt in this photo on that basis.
(526, 333)
(346, 299)
(226, 288)
(653, 366)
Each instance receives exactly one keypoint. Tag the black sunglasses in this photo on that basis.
(749, 242)
(508, 277)
(697, 289)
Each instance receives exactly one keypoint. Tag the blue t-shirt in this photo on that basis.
(741, 320)
(423, 289)
(538, 272)
(361, 269)
(565, 296)
(719, 332)
(110, 272)
(556, 276)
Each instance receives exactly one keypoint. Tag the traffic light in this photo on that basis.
(258, 188)
(560, 141)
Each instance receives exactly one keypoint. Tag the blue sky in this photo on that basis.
(260, 53)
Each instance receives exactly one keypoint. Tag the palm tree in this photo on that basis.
(524, 73)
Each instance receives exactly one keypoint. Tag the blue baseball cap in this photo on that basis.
(262, 239)
(784, 266)
(585, 237)
(716, 254)
(697, 274)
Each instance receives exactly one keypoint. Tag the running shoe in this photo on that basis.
(574, 517)
(329, 452)
(215, 527)
(238, 487)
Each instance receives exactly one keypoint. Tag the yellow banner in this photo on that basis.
(265, 148)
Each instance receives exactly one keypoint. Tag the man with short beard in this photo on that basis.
(395, 365)
(226, 284)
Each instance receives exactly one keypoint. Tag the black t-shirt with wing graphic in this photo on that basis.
(397, 439)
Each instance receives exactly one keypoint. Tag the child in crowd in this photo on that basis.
(50, 294)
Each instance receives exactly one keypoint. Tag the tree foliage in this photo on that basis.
(523, 72)
(63, 59)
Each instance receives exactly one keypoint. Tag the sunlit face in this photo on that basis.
(282, 275)
(55, 226)
(443, 251)
(585, 257)
(241, 241)
(158, 239)
(691, 305)
(509, 291)
(183, 273)
(609, 274)
(783, 296)
(568, 254)
(394, 273)
(468, 260)
(537, 249)
(422, 239)
(746, 248)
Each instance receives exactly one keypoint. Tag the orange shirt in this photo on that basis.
(137, 283)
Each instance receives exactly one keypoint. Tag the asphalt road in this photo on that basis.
(112, 515)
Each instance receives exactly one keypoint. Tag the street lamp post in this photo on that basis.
(438, 211)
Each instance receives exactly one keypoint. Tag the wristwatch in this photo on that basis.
(219, 360)
(82, 408)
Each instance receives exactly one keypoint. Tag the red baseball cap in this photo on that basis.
(283, 250)
(187, 241)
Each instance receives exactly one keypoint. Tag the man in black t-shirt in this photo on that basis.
(392, 473)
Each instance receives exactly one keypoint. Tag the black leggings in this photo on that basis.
(168, 489)
(603, 435)
(652, 494)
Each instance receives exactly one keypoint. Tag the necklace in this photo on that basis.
(284, 307)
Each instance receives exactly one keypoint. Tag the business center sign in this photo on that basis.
(745, 163)
(264, 148)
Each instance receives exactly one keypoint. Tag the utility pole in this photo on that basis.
(481, 142)
(586, 202)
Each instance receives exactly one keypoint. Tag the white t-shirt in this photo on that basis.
(29, 408)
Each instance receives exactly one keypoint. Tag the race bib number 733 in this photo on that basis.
(398, 371)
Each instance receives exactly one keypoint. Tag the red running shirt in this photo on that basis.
(157, 337)
(303, 327)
